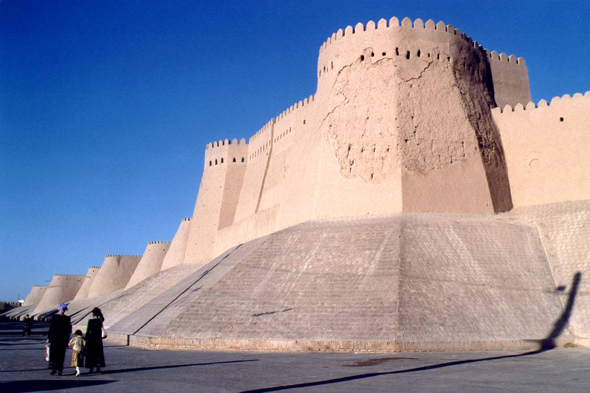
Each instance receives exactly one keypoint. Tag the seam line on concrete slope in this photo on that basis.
(272, 133)
(395, 328)
(185, 290)
(549, 265)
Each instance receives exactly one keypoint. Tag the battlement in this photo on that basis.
(225, 142)
(394, 23)
(94, 267)
(503, 57)
(226, 151)
(163, 242)
(292, 108)
(262, 131)
(122, 256)
(69, 275)
(555, 101)
(186, 219)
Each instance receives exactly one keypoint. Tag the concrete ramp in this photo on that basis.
(168, 304)
(175, 254)
(404, 282)
(114, 274)
(126, 302)
(62, 289)
(83, 292)
(35, 295)
(564, 229)
(151, 262)
(19, 312)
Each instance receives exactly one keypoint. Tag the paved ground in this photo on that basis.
(23, 369)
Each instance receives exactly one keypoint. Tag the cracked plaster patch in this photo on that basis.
(361, 126)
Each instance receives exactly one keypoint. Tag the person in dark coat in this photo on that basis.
(94, 351)
(28, 326)
(58, 339)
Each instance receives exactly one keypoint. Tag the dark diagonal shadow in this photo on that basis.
(130, 370)
(45, 385)
(545, 345)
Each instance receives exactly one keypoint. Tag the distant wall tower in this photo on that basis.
(151, 262)
(62, 289)
(36, 295)
(114, 274)
(83, 292)
(177, 251)
(223, 176)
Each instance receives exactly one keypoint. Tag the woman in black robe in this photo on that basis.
(94, 351)
(58, 339)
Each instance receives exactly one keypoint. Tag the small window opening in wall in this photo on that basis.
(215, 162)
(372, 54)
(332, 64)
(304, 121)
(362, 57)
(418, 53)
(210, 163)
(242, 159)
(383, 54)
(429, 55)
(234, 159)
(407, 54)
(561, 119)
(222, 160)
(397, 51)
(438, 56)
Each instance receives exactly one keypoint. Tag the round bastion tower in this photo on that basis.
(413, 100)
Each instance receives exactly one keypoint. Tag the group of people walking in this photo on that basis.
(87, 349)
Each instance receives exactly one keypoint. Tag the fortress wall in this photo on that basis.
(290, 178)
(564, 230)
(211, 209)
(62, 289)
(546, 149)
(258, 154)
(234, 181)
(177, 250)
(150, 263)
(511, 79)
(114, 274)
(400, 122)
(83, 292)
(35, 296)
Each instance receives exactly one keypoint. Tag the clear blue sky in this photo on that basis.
(106, 106)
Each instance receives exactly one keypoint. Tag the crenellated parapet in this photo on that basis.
(546, 149)
(494, 56)
(555, 103)
(375, 35)
(221, 153)
(122, 256)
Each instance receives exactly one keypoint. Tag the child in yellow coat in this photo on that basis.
(77, 344)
